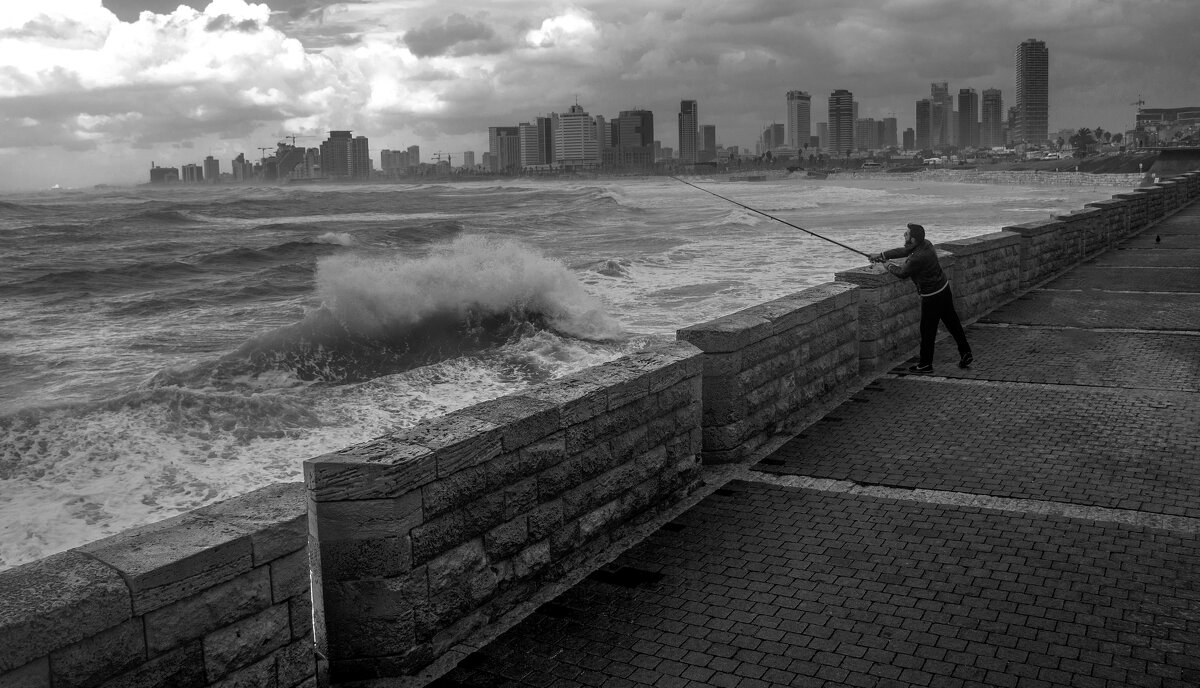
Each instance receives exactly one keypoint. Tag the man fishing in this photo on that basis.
(937, 302)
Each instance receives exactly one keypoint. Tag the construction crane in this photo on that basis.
(293, 137)
(263, 154)
(1139, 103)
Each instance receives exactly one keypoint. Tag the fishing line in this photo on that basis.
(742, 205)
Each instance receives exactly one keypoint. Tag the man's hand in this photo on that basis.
(878, 258)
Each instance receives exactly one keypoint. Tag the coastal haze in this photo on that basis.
(166, 348)
(94, 92)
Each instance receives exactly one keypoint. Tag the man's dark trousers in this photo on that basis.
(940, 306)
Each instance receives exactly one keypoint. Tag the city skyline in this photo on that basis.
(89, 92)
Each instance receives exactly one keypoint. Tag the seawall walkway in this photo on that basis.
(1031, 521)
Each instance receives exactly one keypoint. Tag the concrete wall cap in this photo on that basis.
(275, 516)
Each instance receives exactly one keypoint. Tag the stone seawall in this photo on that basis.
(395, 551)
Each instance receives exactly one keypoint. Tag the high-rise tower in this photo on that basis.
(841, 122)
(689, 117)
(1033, 92)
(991, 131)
(799, 119)
(968, 118)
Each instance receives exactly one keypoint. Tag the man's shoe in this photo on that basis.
(921, 368)
(966, 360)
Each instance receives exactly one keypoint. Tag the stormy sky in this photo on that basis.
(92, 91)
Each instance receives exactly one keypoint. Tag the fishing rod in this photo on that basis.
(742, 205)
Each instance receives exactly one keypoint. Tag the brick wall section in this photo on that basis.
(765, 365)
(215, 597)
(1048, 248)
(889, 313)
(987, 272)
(1090, 231)
(1114, 217)
(426, 535)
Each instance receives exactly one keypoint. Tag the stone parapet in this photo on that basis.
(765, 365)
(1048, 248)
(215, 596)
(987, 272)
(1114, 218)
(423, 536)
(889, 313)
(1090, 230)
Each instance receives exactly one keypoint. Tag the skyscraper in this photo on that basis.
(841, 122)
(212, 170)
(992, 126)
(635, 128)
(890, 136)
(968, 118)
(360, 165)
(924, 128)
(707, 139)
(799, 118)
(942, 114)
(1033, 92)
(689, 117)
(335, 154)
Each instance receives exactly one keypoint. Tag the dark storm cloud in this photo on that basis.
(456, 35)
(225, 22)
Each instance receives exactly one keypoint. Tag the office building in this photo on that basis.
(576, 138)
(468, 159)
(192, 173)
(889, 132)
(991, 128)
(910, 139)
(823, 135)
(504, 145)
(335, 154)
(924, 126)
(689, 118)
(968, 118)
(212, 170)
(841, 122)
(867, 134)
(1033, 92)
(635, 128)
(799, 118)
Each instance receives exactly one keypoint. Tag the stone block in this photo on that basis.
(441, 611)
(275, 516)
(35, 674)
(261, 674)
(246, 642)
(289, 576)
(296, 663)
(300, 611)
(532, 560)
(382, 468)
(578, 397)
(167, 561)
(538, 457)
(53, 602)
(216, 607)
(366, 518)
(598, 520)
(372, 618)
(451, 567)
(107, 654)
(522, 420)
(727, 334)
(458, 440)
(456, 527)
(373, 558)
(520, 498)
(564, 539)
(182, 667)
(558, 479)
(505, 539)
(545, 519)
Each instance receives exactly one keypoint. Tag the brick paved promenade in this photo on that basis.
(1033, 521)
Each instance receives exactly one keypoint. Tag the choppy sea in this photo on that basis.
(166, 348)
